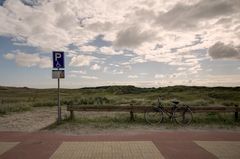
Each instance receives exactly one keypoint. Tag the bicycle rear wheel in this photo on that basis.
(155, 117)
(183, 115)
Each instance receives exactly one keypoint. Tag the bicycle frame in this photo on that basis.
(169, 113)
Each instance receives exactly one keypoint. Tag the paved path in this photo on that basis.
(163, 145)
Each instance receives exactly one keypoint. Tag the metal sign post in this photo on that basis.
(59, 107)
(58, 62)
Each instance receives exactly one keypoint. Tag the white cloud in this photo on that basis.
(195, 69)
(95, 67)
(127, 67)
(209, 70)
(9, 56)
(79, 22)
(45, 62)
(176, 75)
(143, 74)
(29, 60)
(117, 72)
(105, 69)
(218, 80)
(72, 75)
(159, 76)
(77, 72)
(133, 37)
(49, 26)
(133, 76)
(90, 77)
(186, 16)
(168, 32)
(138, 59)
(81, 60)
(181, 68)
(109, 51)
(88, 48)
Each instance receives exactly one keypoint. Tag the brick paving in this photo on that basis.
(222, 149)
(108, 150)
(166, 144)
(5, 146)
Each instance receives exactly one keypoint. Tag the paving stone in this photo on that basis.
(107, 150)
(222, 149)
(5, 146)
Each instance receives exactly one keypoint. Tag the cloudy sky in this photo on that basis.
(147, 43)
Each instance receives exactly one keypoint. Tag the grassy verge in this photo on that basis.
(122, 121)
(220, 119)
(11, 97)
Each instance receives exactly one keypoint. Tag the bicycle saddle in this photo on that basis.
(175, 102)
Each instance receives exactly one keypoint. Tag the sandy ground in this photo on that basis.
(28, 121)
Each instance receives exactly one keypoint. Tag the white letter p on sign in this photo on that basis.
(57, 56)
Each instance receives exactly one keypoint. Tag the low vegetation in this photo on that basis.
(93, 122)
(14, 99)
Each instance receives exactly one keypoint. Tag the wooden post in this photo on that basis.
(236, 113)
(71, 114)
(131, 114)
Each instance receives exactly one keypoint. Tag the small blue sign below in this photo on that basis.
(58, 59)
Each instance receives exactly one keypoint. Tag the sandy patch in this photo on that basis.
(29, 121)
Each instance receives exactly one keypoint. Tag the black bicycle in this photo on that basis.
(180, 114)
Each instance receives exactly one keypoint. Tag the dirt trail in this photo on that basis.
(28, 121)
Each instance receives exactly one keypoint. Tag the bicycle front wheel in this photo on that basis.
(183, 115)
(153, 117)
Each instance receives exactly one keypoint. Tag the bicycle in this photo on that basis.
(181, 115)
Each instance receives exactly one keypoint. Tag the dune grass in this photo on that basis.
(14, 99)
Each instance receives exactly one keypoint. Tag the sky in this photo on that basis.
(145, 43)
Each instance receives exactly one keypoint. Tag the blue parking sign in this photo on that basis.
(58, 59)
